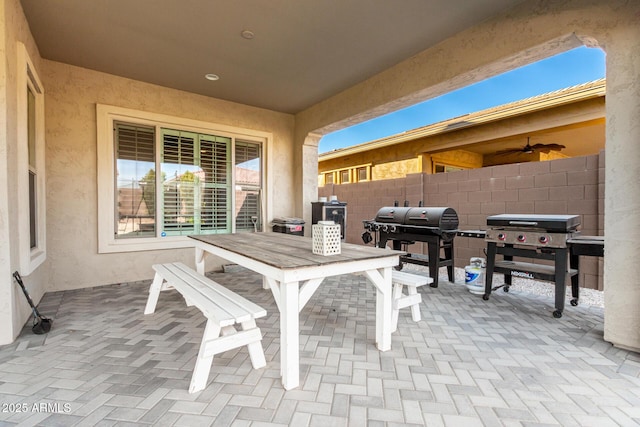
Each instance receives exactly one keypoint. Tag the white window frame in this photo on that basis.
(27, 78)
(106, 116)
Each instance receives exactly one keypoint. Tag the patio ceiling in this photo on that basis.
(302, 51)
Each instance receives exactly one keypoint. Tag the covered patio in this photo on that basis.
(128, 68)
(468, 362)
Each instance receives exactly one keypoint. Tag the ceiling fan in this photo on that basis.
(529, 149)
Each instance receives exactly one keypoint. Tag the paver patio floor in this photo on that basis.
(502, 362)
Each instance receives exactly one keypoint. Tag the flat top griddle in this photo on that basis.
(550, 223)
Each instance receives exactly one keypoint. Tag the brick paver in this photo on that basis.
(500, 362)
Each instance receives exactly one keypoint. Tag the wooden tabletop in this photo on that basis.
(286, 251)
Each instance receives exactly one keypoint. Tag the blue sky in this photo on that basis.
(571, 68)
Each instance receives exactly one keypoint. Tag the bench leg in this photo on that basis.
(256, 352)
(415, 308)
(412, 299)
(154, 293)
(204, 359)
(218, 340)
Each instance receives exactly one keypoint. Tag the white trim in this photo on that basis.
(106, 115)
(30, 258)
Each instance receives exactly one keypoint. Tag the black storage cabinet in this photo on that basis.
(330, 211)
(287, 225)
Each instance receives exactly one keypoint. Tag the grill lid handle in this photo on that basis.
(527, 223)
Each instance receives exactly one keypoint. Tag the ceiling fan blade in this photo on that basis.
(546, 148)
(529, 149)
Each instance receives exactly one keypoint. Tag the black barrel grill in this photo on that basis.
(403, 226)
(546, 237)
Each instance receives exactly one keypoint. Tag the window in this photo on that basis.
(196, 183)
(175, 177)
(328, 178)
(136, 182)
(31, 161)
(442, 168)
(357, 173)
(248, 193)
(362, 173)
(345, 176)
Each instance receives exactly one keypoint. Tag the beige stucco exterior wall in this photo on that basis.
(14, 309)
(529, 32)
(622, 195)
(395, 169)
(72, 94)
(6, 294)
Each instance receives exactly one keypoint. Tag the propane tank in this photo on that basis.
(474, 275)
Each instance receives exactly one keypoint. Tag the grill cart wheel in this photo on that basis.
(557, 314)
(574, 302)
(485, 297)
(505, 289)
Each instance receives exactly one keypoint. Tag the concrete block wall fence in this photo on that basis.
(565, 186)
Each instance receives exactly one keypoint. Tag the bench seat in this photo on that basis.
(223, 308)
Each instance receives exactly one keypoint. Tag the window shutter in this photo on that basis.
(135, 171)
(215, 204)
(248, 177)
(178, 159)
(179, 148)
(135, 143)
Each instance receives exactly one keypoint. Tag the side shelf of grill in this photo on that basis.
(529, 270)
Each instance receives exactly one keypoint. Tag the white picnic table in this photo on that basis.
(294, 273)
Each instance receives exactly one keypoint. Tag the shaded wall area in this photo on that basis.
(567, 186)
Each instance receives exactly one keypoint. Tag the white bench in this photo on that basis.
(223, 309)
(400, 280)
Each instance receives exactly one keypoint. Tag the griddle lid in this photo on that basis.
(551, 223)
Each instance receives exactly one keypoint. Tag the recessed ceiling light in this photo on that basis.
(247, 34)
(212, 77)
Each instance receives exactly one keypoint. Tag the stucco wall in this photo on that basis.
(568, 186)
(6, 295)
(622, 204)
(14, 309)
(72, 94)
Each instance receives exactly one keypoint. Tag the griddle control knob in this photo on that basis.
(544, 239)
(522, 238)
(502, 236)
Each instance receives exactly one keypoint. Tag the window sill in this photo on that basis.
(32, 262)
(145, 244)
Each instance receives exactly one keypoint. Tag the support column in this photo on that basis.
(309, 177)
(622, 192)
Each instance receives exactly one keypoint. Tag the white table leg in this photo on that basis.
(289, 335)
(381, 279)
(200, 260)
